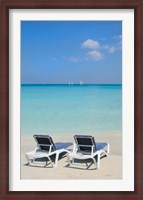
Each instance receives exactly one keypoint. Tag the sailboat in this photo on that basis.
(70, 82)
(81, 82)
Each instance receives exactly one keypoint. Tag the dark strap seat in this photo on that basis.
(62, 145)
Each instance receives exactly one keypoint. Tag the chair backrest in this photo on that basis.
(85, 143)
(44, 142)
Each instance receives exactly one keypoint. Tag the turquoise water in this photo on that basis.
(71, 109)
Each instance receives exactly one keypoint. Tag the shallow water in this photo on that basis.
(71, 109)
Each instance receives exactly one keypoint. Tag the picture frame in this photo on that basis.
(4, 106)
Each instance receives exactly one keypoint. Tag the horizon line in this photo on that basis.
(71, 84)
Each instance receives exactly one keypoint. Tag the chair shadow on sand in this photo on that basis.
(40, 161)
(83, 164)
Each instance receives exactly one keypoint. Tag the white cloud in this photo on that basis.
(90, 44)
(96, 51)
(94, 55)
(91, 55)
(111, 49)
(120, 36)
(117, 37)
(106, 46)
(73, 59)
(116, 46)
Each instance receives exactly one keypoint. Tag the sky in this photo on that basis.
(56, 52)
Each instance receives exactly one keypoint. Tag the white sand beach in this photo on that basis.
(111, 166)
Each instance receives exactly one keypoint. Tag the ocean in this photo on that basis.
(71, 109)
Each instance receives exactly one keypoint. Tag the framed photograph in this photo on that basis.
(71, 100)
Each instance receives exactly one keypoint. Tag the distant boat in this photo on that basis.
(70, 83)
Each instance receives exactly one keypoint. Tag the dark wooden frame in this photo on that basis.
(5, 194)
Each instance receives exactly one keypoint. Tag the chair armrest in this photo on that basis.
(108, 148)
(74, 148)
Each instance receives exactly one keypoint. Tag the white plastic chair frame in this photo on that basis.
(37, 153)
(83, 156)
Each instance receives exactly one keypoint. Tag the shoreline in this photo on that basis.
(111, 166)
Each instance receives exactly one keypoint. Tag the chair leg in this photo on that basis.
(68, 160)
(56, 159)
(94, 161)
(28, 159)
(72, 161)
(46, 163)
(108, 148)
(50, 161)
(98, 161)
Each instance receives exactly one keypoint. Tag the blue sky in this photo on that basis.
(62, 51)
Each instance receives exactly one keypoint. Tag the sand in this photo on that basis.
(110, 167)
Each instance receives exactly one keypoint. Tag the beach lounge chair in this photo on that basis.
(46, 148)
(85, 148)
